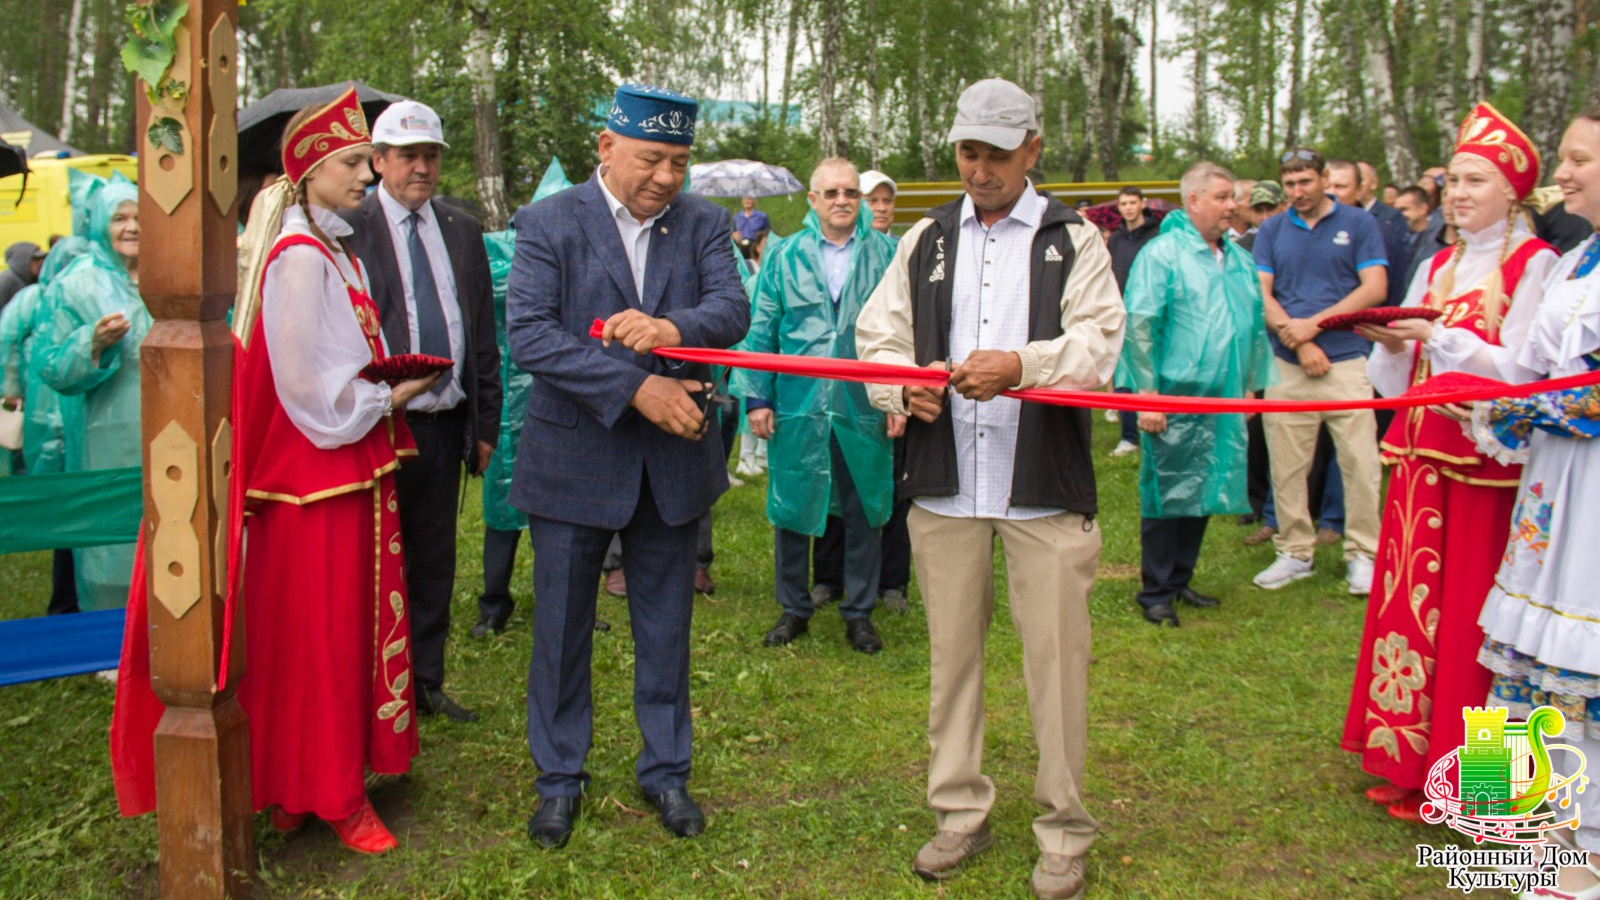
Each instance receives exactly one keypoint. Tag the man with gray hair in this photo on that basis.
(1195, 329)
(828, 450)
(1015, 290)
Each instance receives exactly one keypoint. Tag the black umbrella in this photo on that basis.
(14, 162)
(261, 123)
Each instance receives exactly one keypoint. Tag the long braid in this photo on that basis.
(1444, 284)
(1493, 301)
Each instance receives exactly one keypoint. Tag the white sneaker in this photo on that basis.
(1123, 448)
(748, 468)
(1286, 569)
(734, 481)
(1111, 416)
(1358, 572)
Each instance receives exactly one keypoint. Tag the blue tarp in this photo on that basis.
(57, 646)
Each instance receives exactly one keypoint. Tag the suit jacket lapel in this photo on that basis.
(389, 292)
(601, 228)
(658, 260)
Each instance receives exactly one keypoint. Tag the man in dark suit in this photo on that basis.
(429, 275)
(614, 440)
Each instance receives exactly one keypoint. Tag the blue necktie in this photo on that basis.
(433, 335)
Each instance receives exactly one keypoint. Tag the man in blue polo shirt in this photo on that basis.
(1320, 259)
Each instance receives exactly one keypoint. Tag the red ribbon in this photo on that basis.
(913, 376)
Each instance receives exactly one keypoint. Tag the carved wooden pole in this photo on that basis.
(188, 269)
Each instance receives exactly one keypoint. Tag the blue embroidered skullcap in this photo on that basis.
(652, 114)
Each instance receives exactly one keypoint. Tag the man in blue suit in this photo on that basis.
(614, 439)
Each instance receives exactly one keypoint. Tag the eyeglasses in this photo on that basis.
(1307, 155)
(833, 193)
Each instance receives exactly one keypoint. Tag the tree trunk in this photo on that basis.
(1544, 113)
(827, 78)
(1111, 140)
(874, 94)
(1398, 147)
(1477, 67)
(1446, 110)
(69, 94)
(1154, 50)
(788, 64)
(1202, 72)
(1271, 73)
(1297, 64)
(924, 109)
(486, 119)
(1090, 35)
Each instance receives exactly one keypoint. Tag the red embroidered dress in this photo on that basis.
(327, 689)
(1444, 523)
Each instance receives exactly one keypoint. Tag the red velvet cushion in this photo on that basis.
(1451, 382)
(1377, 315)
(406, 366)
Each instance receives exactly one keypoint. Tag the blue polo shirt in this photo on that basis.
(748, 225)
(1314, 268)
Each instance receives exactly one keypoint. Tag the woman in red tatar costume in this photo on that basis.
(327, 686)
(1448, 506)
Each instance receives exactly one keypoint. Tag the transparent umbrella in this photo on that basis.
(741, 178)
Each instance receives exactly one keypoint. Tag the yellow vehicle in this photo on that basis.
(45, 210)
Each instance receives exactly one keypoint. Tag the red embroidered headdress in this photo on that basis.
(338, 126)
(1487, 134)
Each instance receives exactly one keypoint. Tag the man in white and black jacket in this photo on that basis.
(1015, 290)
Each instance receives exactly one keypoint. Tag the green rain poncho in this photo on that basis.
(1195, 328)
(498, 513)
(793, 314)
(24, 326)
(102, 430)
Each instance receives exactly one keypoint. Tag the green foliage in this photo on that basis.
(152, 45)
(167, 133)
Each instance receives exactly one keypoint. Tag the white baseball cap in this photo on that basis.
(996, 112)
(408, 122)
(872, 179)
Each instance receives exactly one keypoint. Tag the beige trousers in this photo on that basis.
(1292, 441)
(1050, 566)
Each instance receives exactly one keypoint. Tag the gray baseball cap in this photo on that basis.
(996, 112)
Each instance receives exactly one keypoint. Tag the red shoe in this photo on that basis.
(363, 832)
(286, 822)
(1409, 809)
(1387, 793)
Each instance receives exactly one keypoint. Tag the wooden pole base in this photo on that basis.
(206, 843)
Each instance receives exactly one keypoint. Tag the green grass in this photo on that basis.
(1214, 765)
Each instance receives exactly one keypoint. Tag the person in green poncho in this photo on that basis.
(1195, 327)
(829, 449)
(91, 353)
(502, 522)
(24, 324)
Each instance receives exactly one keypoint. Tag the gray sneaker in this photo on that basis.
(894, 600)
(939, 858)
(1058, 877)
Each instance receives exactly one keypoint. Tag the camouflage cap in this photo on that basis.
(1266, 193)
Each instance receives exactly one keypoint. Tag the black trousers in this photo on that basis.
(499, 560)
(1170, 549)
(862, 545)
(1258, 474)
(63, 584)
(827, 552)
(429, 490)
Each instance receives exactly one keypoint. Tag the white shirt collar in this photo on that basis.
(396, 212)
(618, 211)
(326, 219)
(1493, 235)
(1028, 209)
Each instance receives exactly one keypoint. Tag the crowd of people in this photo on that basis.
(543, 379)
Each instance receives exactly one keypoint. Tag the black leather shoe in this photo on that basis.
(487, 625)
(1193, 599)
(434, 702)
(1161, 614)
(788, 628)
(862, 636)
(679, 813)
(551, 824)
